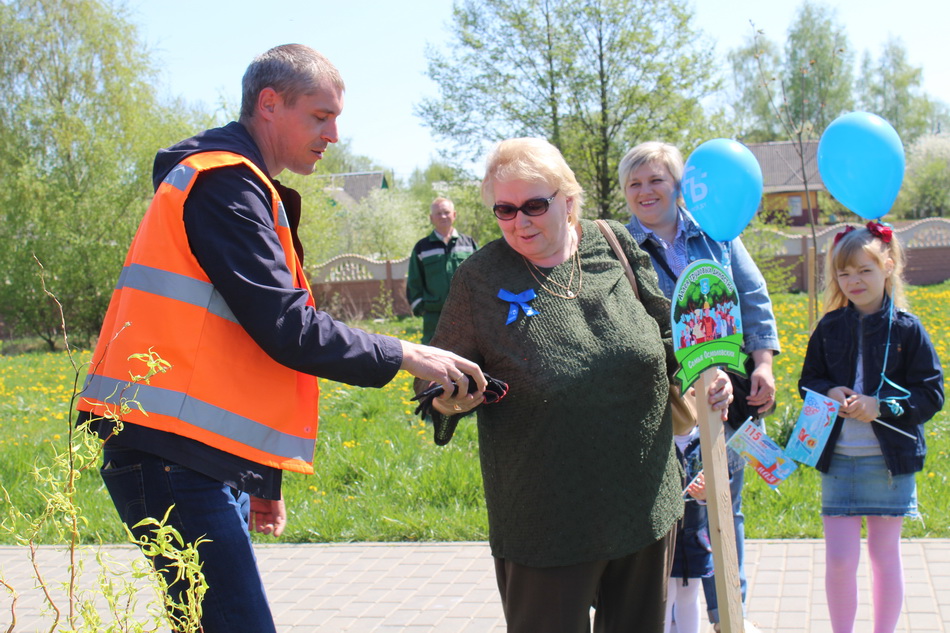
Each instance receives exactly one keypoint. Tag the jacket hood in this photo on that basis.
(233, 137)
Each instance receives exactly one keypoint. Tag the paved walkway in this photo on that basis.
(450, 587)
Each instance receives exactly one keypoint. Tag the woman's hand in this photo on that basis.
(720, 395)
(462, 402)
(762, 390)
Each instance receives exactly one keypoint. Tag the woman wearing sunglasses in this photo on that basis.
(581, 480)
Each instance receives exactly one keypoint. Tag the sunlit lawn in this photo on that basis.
(793, 510)
(380, 477)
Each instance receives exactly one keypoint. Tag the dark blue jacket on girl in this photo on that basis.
(912, 363)
(692, 554)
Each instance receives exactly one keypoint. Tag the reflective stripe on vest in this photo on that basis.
(156, 400)
(175, 286)
(222, 390)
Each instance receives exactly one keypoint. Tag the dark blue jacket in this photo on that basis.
(692, 553)
(229, 223)
(912, 363)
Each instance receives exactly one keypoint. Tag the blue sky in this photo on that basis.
(203, 48)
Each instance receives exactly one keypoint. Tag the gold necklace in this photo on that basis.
(575, 265)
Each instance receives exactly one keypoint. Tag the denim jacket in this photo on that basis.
(755, 306)
(692, 553)
(912, 363)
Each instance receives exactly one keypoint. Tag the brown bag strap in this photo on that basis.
(684, 406)
(618, 251)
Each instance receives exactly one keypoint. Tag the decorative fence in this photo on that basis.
(926, 245)
(356, 287)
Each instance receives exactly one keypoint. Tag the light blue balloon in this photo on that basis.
(861, 161)
(722, 187)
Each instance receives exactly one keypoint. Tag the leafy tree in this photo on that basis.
(592, 76)
(78, 133)
(891, 88)
(798, 93)
(926, 190)
(754, 66)
(818, 74)
(384, 225)
(835, 211)
(323, 221)
(340, 159)
(763, 241)
(426, 184)
(805, 91)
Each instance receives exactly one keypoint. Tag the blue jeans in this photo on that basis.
(736, 479)
(145, 485)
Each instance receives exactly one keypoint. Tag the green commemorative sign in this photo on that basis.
(707, 324)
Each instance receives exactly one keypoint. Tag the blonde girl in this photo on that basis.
(877, 361)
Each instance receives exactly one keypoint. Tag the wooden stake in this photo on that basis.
(722, 529)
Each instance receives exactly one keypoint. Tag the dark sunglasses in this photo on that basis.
(532, 207)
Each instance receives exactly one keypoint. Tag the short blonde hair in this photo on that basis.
(649, 153)
(845, 252)
(531, 160)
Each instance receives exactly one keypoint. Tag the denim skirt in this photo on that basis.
(862, 486)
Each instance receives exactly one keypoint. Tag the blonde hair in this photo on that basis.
(531, 160)
(652, 153)
(846, 251)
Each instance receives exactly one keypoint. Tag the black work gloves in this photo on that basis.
(445, 425)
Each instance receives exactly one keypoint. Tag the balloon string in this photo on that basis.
(892, 402)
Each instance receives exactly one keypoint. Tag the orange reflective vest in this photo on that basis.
(222, 389)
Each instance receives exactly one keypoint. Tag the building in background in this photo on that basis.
(783, 184)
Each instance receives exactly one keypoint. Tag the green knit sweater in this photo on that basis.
(577, 460)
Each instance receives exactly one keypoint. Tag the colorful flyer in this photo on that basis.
(811, 432)
(707, 324)
(765, 456)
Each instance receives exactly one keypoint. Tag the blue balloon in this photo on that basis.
(861, 161)
(722, 187)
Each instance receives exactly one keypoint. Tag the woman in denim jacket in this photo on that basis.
(650, 177)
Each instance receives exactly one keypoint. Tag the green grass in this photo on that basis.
(793, 511)
(381, 478)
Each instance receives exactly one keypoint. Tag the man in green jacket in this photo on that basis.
(432, 264)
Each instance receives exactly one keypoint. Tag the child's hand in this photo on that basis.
(841, 394)
(854, 405)
(861, 408)
(697, 488)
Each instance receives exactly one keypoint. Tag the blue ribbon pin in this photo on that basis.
(518, 300)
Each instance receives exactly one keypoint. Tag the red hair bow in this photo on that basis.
(883, 232)
(841, 234)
